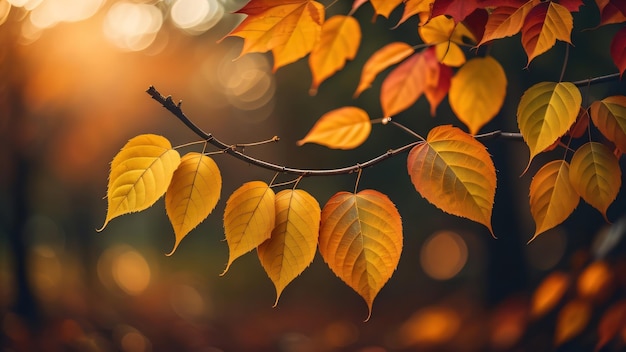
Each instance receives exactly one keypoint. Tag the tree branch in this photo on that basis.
(597, 80)
(175, 109)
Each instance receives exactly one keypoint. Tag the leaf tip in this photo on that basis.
(173, 249)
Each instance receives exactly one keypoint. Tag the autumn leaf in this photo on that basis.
(552, 197)
(344, 128)
(609, 115)
(571, 320)
(249, 218)
(549, 293)
(596, 175)
(290, 30)
(384, 7)
(612, 322)
(477, 92)
(458, 10)
(140, 174)
(580, 126)
(454, 171)
(544, 24)
(506, 21)
(546, 112)
(435, 93)
(388, 55)
(618, 50)
(293, 243)
(611, 11)
(445, 35)
(361, 240)
(416, 7)
(339, 42)
(407, 82)
(192, 194)
(596, 282)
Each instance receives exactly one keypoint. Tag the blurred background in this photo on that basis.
(73, 76)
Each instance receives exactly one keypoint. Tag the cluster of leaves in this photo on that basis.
(359, 234)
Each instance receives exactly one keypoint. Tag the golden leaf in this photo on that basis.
(344, 128)
(445, 34)
(192, 194)
(506, 21)
(454, 171)
(596, 175)
(552, 196)
(140, 174)
(416, 7)
(384, 7)
(339, 42)
(543, 25)
(609, 115)
(546, 112)
(249, 218)
(384, 57)
(361, 240)
(477, 92)
(290, 30)
(572, 320)
(292, 245)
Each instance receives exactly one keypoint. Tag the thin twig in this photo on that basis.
(597, 80)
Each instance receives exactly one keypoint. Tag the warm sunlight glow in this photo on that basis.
(131, 26)
(5, 9)
(430, 326)
(50, 12)
(26, 4)
(443, 255)
(196, 16)
(187, 302)
(131, 272)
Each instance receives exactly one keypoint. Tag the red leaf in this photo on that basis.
(459, 10)
(618, 50)
(571, 5)
(611, 11)
(476, 22)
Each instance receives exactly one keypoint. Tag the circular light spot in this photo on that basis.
(196, 16)
(132, 26)
(131, 272)
(443, 255)
(187, 302)
(50, 12)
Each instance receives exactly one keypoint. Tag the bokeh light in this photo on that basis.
(51, 12)
(443, 255)
(47, 272)
(123, 267)
(187, 302)
(131, 26)
(196, 16)
(5, 9)
(430, 326)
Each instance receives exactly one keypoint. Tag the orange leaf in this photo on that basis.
(289, 30)
(192, 194)
(339, 42)
(572, 320)
(611, 11)
(361, 240)
(580, 126)
(618, 50)
(445, 34)
(343, 128)
(506, 21)
(552, 197)
(549, 293)
(596, 175)
(140, 174)
(454, 171)
(249, 218)
(293, 242)
(416, 7)
(407, 82)
(388, 55)
(546, 112)
(609, 115)
(437, 92)
(384, 7)
(543, 25)
(595, 283)
(612, 322)
(477, 92)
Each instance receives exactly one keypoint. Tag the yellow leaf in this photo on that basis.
(552, 196)
(249, 218)
(477, 92)
(549, 293)
(546, 112)
(388, 55)
(140, 174)
(416, 7)
(596, 175)
(292, 245)
(444, 33)
(192, 194)
(343, 128)
(506, 21)
(543, 25)
(384, 7)
(454, 171)
(339, 42)
(609, 115)
(407, 82)
(361, 240)
(289, 30)
(572, 320)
